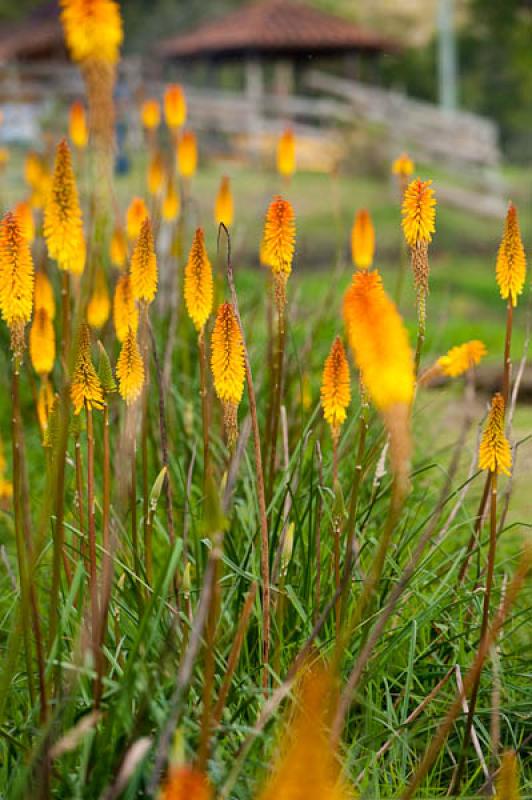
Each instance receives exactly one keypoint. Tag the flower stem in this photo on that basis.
(204, 405)
(93, 575)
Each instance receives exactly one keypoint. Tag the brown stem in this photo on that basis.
(148, 559)
(421, 326)
(264, 553)
(276, 405)
(507, 353)
(107, 561)
(210, 663)
(65, 315)
(204, 404)
(79, 498)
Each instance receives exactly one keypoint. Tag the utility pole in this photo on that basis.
(447, 62)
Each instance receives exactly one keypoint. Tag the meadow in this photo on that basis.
(262, 534)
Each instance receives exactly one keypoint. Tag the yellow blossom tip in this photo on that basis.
(198, 288)
(494, 451)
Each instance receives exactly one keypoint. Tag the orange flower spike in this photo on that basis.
(118, 248)
(403, 166)
(224, 207)
(24, 214)
(155, 177)
(150, 114)
(306, 767)
(85, 388)
(33, 169)
(511, 259)
(227, 364)
(379, 341)
(135, 216)
(130, 368)
(171, 205)
(63, 224)
(78, 130)
(93, 29)
(279, 236)
(335, 387)
(461, 358)
(187, 155)
(286, 154)
(419, 214)
(198, 287)
(125, 311)
(185, 783)
(175, 106)
(143, 269)
(494, 452)
(99, 305)
(16, 279)
(363, 240)
(42, 342)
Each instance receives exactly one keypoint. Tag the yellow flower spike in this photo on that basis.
(150, 114)
(511, 259)
(125, 311)
(63, 224)
(135, 216)
(45, 404)
(507, 781)
(93, 29)
(85, 388)
(198, 287)
(118, 248)
(99, 305)
(279, 236)
(42, 342)
(171, 205)
(24, 214)
(363, 240)
(155, 177)
(16, 280)
(78, 129)
(306, 766)
(228, 368)
(187, 155)
(224, 207)
(335, 387)
(130, 368)
(403, 166)
(494, 451)
(379, 341)
(44, 294)
(175, 106)
(419, 214)
(185, 783)
(286, 153)
(143, 269)
(461, 358)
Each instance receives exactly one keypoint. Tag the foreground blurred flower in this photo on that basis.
(187, 155)
(458, 360)
(403, 166)
(44, 294)
(155, 177)
(494, 452)
(77, 125)
(135, 215)
(286, 154)
(24, 214)
(224, 209)
(125, 311)
(63, 225)
(379, 341)
(16, 280)
(175, 106)
(198, 287)
(363, 240)
(306, 767)
(42, 342)
(86, 389)
(130, 368)
(118, 248)
(185, 783)
(335, 387)
(227, 363)
(143, 269)
(511, 259)
(150, 114)
(171, 205)
(507, 781)
(278, 245)
(99, 306)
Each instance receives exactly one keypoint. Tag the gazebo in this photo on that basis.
(286, 35)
